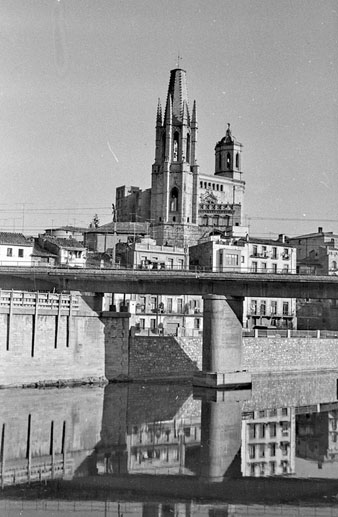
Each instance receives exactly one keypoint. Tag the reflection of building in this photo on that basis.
(317, 437)
(160, 447)
(268, 438)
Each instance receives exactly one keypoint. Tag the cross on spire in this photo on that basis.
(179, 58)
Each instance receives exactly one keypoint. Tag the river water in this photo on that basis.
(172, 450)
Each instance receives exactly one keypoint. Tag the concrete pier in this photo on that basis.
(222, 344)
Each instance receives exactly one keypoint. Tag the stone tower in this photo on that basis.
(228, 157)
(174, 186)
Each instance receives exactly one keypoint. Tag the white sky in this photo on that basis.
(79, 85)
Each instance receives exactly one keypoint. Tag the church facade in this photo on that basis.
(184, 204)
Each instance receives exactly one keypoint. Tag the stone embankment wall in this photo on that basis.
(289, 354)
(52, 339)
(170, 357)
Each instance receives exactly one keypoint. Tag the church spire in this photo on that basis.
(159, 114)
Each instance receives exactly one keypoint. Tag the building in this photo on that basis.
(68, 252)
(220, 253)
(317, 254)
(15, 249)
(107, 236)
(183, 203)
(67, 232)
(158, 313)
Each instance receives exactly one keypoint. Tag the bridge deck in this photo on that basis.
(169, 282)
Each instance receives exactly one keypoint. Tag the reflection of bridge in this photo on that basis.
(153, 417)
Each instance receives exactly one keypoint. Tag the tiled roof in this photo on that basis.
(38, 251)
(64, 243)
(121, 227)
(17, 239)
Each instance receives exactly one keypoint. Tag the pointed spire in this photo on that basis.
(159, 113)
(194, 115)
(185, 113)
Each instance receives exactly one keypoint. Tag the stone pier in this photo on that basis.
(222, 344)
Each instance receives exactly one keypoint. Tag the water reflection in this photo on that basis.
(115, 435)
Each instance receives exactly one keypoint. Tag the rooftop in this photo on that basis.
(17, 239)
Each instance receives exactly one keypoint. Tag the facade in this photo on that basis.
(67, 232)
(218, 253)
(15, 249)
(183, 204)
(159, 313)
(107, 236)
(317, 254)
(69, 252)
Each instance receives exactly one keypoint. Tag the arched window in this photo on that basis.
(163, 145)
(228, 161)
(174, 200)
(175, 147)
(334, 264)
(220, 161)
(188, 149)
(237, 160)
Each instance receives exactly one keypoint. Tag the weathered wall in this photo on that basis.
(159, 358)
(169, 357)
(74, 353)
(267, 354)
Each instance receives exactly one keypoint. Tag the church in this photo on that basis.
(184, 204)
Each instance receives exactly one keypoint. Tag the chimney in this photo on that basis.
(320, 229)
(281, 237)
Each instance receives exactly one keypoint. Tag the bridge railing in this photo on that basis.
(256, 333)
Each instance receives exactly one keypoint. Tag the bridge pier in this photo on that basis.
(222, 344)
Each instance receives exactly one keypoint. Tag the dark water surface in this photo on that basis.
(172, 450)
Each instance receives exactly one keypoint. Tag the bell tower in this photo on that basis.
(174, 189)
(228, 157)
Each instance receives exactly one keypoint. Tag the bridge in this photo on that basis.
(169, 282)
(223, 295)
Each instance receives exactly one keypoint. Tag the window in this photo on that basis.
(171, 263)
(274, 252)
(273, 430)
(264, 252)
(153, 303)
(179, 305)
(152, 323)
(197, 323)
(254, 251)
(174, 200)
(272, 449)
(285, 308)
(231, 259)
(228, 161)
(142, 323)
(262, 308)
(9, 252)
(180, 263)
(170, 305)
(274, 267)
(175, 147)
(263, 267)
(20, 252)
(252, 452)
(254, 267)
(237, 160)
(273, 307)
(253, 306)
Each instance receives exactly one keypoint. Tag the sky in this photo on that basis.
(80, 81)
